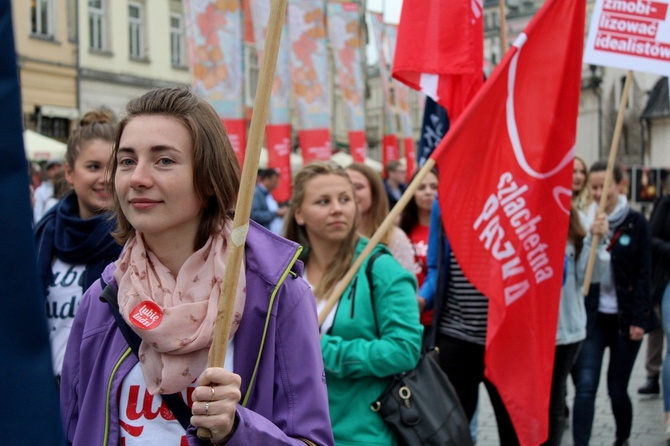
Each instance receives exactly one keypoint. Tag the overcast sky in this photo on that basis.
(391, 9)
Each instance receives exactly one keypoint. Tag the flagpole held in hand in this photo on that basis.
(217, 353)
(608, 178)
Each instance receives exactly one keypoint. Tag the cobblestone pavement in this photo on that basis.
(647, 414)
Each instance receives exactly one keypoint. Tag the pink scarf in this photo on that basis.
(175, 316)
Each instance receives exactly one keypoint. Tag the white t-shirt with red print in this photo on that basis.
(145, 419)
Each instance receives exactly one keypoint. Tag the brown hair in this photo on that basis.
(583, 198)
(576, 232)
(298, 233)
(216, 173)
(96, 124)
(379, 204)
(409, 217)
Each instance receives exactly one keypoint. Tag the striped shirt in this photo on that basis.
(466, 309)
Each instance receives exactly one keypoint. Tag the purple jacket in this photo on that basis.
(288, 401)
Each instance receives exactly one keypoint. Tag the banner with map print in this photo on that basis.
(402, 105)
(309, 76)
(344, 36)
(215, 43)
(389, 140)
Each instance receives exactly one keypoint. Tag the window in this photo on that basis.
(41, 18)
(71, 21)
(177, 40)
(136, 30)
(96, 22)
(58, 128)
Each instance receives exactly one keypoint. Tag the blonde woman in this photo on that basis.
(374, 331)
(373, 207)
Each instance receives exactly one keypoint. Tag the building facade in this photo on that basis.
(45, 36)
(128, 47)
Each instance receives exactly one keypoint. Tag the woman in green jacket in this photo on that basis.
(374, 331)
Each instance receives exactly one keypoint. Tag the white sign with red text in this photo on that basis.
(630, 34)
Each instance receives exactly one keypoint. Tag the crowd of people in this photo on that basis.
(133, 254)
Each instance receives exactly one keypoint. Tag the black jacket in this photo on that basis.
(630, 249)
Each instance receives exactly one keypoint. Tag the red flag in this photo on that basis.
(506, 170)
(440, 50)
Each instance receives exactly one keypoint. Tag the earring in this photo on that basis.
(300, 222)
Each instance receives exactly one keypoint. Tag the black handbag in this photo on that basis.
(422, 407)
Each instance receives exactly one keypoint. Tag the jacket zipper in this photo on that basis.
(352, 296)
(125, 355)
(283, 277)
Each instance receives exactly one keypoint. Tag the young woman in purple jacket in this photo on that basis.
(135, 369)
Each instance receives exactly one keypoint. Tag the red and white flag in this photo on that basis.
(505, 184)
(440, 50)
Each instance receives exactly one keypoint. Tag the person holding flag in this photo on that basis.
(518, 135)
(373, 332)
(619, 308)
(458, 327)
(135, 369)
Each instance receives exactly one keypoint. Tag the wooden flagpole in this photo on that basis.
(408, 195)
(608, 177)
(503, 27)
(217, 353)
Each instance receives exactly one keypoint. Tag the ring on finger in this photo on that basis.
(211, 398)
(207, 409)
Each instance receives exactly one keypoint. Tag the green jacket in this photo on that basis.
(359, 360)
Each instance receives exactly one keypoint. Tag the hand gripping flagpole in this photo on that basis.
(217, 353)
(608, 178)
(408, 195)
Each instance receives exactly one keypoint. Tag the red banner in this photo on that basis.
(357, 145)
(506, 195)
(278, 138)
(410, 157)
(237, 133)
(440, 50)
(315, 145)
(390, 151)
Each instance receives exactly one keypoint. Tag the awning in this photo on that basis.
(55, 111)
(42, 148)
(658, 104)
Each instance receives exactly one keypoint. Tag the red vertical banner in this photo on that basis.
(508, 223)
(345, 41)
(215, 43)
(278, 129)
(410, 157)
(315, 145)
(390, 151)
(389, 140)
(278, 138)
(357, 148)
(309, 76)
(237, 133)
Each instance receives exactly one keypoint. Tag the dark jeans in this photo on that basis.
(563, 362)
(463, 362)
(586, 374)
